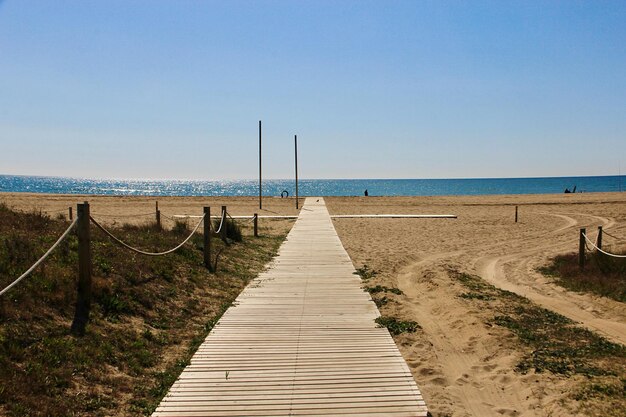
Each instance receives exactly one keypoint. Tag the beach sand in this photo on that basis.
(118, 210)
(463, 365)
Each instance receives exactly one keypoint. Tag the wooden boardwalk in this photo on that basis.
(300, 340)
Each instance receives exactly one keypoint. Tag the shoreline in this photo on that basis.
(314, 187)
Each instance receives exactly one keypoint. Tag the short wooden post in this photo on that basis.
(581, 249)
(223, 232)
(158, 216)
(256, 225)
(71, 214)
(599, 243)
(515, 214)
(207, 238)
(83, 302)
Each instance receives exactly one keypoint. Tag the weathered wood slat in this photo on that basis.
(299, 340)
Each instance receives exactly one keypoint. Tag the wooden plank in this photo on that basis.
(299, 340)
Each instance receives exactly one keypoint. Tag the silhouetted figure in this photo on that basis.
(567, 191)
(366, 193)
(574, 190)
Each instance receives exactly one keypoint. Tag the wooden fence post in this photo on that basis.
(71, 214)
(256, 225)
(83, 302)
(599, 244)
(223, 233)
(581, 249)
(207, 238)
(158, 216)
(515, 214)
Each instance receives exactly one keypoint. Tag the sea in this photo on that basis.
(311, 187)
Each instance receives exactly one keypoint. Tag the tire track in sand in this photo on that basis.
(522, 279)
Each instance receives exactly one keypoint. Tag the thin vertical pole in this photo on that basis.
(71, 214)
(295, 138)
(581, 249)
(83, 302)
(260, 172)
(599, 243)
(158, 215)
(224, 224)
(207, 238)
(515, 214)
(256, 225)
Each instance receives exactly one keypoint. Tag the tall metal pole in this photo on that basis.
(260, 171)
(295, 138)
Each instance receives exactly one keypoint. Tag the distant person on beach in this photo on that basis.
(366, 193)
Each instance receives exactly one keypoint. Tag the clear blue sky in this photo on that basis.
(374, 89)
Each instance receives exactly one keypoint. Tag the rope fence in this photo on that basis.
(219, 229)
(594, 245)
(619, 239)
(43, 258)
(81, 225)
(586, 244)
(127, 246)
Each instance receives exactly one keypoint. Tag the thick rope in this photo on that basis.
(604, 232)
(144, 252)
(600, 250)
(219, 229)
(45, 255)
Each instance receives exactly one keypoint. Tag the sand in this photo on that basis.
(463, 366)
(118, 210)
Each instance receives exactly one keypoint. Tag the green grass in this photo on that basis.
(396, 326)
(380, 301)
(148, 315)
(381, 288)
(366, 273)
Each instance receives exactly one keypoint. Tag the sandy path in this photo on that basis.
(517, 273)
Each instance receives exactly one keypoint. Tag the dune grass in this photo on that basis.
(603, 275)
(148, 315)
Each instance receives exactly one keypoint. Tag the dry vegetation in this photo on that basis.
(602, 275)
(148, 315)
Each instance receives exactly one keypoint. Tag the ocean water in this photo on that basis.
(325, 187)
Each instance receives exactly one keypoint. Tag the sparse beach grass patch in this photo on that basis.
(366, 273)
(381, 288)
(396, 326)
(554, 343)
